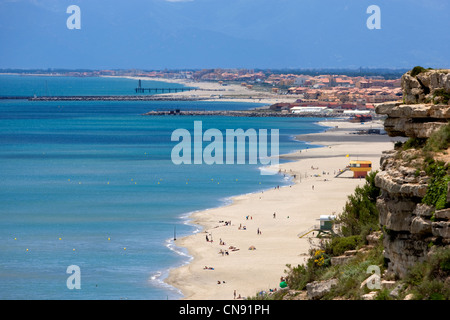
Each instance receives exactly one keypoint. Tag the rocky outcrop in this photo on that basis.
(317, 289)
(408, 120)
(426, 86)
(411, 228)
(426, 104)
(405, 221)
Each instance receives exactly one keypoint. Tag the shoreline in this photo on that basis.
(210, 91)
(297, 207)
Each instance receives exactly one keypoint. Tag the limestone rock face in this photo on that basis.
(425, 108)
(408, 225)
(418, 121)
(422, 87)
(318, 289)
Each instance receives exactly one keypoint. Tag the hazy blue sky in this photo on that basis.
(156, 34)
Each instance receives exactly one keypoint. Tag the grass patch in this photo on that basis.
(444, 97)
(414, 143)
(439, 140)
(437, 188)
(427, 279)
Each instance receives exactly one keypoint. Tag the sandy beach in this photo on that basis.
(214, 91)
(270, 221)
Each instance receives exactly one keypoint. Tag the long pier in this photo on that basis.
(163, 90)
(139, 89)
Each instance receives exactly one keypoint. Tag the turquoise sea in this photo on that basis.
(92, 184)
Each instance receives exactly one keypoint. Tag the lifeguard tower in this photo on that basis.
(360, 168)
(325, 227)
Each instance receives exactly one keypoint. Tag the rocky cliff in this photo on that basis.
(426, 86)
(411, 228)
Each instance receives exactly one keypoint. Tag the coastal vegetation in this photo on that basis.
(391, 240)
(359, 219)
(432, 153)
(417, 70)
(427, 280)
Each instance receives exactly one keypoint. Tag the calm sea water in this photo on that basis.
(92, 184)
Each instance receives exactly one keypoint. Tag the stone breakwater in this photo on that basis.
(114, 98)
(236, 113)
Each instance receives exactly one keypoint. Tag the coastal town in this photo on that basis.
(293, 93)
(352, 94)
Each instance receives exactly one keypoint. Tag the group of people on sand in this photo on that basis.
(241, 227)
(224, 252)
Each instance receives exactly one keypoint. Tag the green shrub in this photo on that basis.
(339, 245)
(414, 143)
(427, 279)
(384, 295)
(398, 145)
(441, 93)
(439, 140)
(298, 277)
(360, 214)
(432, 290)
(416, 70)
(440, 264)
(436, 194)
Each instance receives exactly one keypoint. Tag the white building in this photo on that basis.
(356, 111)
(309, 109)
(300, 80)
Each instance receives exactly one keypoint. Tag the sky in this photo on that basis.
(196, 34)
